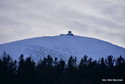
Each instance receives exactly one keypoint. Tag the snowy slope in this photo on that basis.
(62, 46)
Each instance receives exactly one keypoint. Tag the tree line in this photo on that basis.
(57, 71)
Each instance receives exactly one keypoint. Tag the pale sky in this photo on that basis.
(101, 19)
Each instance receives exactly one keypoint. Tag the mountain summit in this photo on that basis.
(61, 46)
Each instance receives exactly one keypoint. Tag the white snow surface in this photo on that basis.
(61, 47)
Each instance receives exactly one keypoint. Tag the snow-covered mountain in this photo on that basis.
(61, 46)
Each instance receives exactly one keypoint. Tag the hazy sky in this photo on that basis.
(102, 19)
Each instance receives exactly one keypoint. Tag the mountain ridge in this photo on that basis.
(62, 46)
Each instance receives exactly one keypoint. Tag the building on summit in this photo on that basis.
(68, 34)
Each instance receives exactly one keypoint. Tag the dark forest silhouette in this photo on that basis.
(56, 71)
